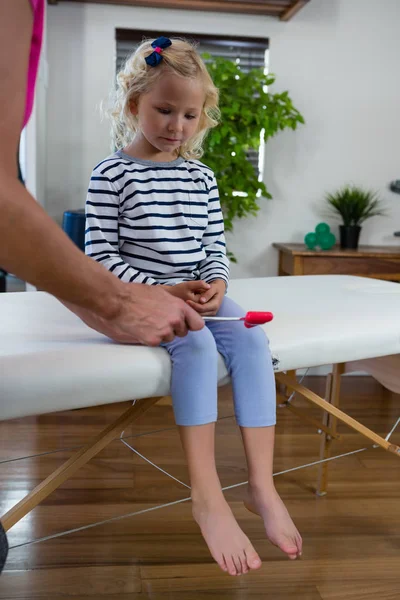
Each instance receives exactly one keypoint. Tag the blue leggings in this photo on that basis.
(248, 361)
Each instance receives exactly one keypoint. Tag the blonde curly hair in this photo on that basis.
(137, 77)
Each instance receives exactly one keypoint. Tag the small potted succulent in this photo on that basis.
(354, 205)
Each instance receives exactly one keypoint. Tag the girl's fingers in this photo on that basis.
(197, 286)
(191, 297)
(207, 310)
(207, 296)
(198, 307)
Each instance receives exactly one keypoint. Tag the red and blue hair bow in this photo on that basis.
(159, 45)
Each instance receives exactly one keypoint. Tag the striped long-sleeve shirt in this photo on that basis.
(156, 223)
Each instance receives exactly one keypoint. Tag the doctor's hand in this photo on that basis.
(142, 314)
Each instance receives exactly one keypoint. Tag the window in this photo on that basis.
(248, 52)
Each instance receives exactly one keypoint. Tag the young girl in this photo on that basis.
(154, 216)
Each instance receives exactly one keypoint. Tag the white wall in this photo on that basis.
(338, 59)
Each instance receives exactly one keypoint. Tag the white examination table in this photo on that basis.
(51, 361)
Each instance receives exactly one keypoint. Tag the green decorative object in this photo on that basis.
(248, 108)
(311, 240)
(326, 241)
(322, 228)
(322, 238)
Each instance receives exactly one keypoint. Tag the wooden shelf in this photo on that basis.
(281, 9)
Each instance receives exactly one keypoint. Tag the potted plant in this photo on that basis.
(354, 205)
(2, 280)
(248, 109)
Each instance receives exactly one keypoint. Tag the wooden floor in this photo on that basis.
(351, 537)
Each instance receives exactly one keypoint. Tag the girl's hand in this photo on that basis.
(188, 290)
(210, 301)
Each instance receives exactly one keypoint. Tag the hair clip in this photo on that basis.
(159, 45)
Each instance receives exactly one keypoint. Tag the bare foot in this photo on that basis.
(281, 531)
(228, 544)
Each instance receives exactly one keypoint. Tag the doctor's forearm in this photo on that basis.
(35, 249)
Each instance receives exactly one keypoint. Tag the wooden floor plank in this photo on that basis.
(88, 581)
(278, 593)
(279, 572)
(359, 591)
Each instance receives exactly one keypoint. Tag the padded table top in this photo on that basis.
(51, 361)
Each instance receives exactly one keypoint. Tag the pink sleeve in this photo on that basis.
(38, 8)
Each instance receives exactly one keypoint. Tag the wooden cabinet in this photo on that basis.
(379, 262)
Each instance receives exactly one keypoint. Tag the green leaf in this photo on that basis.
(245, 109)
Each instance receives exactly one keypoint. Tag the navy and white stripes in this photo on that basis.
(156, 223)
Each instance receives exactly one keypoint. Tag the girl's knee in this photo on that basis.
(254, 340)
(198, 343)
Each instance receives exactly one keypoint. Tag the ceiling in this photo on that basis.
(280, 9)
